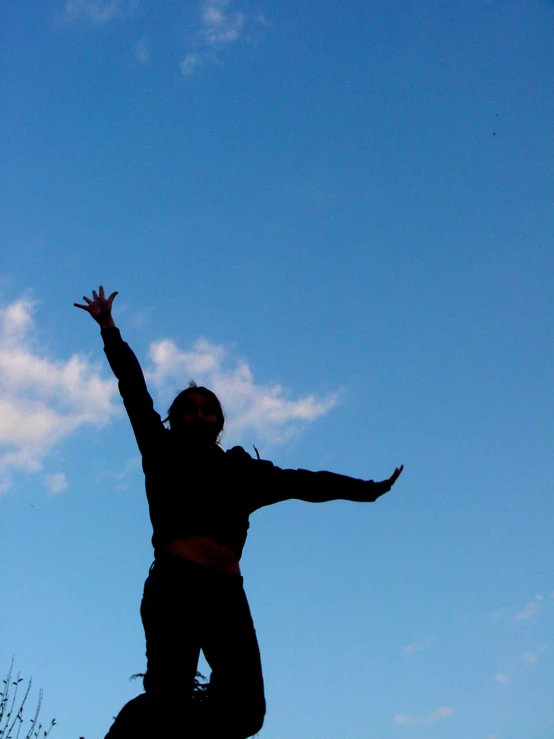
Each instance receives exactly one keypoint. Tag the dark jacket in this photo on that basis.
(212, 492)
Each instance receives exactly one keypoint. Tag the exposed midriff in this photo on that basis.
(204, 550)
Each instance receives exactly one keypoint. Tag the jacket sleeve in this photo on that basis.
(273, 485)
(146, 422)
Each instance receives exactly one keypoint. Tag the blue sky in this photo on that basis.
(341, 217)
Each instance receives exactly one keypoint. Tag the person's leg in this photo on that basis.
(186, 607)
(168, 610)
(171, 613)
(235, 707)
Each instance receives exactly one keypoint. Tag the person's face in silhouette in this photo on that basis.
(199, 417)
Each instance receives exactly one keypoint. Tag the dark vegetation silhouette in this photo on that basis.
(199, 690)
(11, 713)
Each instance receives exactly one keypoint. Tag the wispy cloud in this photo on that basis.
(440, 713)
(502, 677)
(531, 609)
(42, 400)
(56, 483)
(189, 63)
(530, 658)
(419, 645)
(264, 409)
(131, 467)
(143, 51)
(99, 11)
(219, 25)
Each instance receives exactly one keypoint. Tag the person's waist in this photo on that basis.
(204, 551)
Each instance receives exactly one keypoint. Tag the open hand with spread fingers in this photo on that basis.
(100, 307)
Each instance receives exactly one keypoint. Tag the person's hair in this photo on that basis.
(174, 412)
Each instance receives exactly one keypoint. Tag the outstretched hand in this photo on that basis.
(100, 307)
(386, 485)
(395, 475)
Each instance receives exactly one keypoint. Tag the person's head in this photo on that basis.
(197, 413)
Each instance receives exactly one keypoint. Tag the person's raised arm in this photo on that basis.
(146, 422)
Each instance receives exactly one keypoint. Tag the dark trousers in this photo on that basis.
(187, 608)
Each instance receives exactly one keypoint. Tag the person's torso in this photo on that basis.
(199, 498)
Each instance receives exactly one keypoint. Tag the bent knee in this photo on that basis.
(249, 726)
(240, 719)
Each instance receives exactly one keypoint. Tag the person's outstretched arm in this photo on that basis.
(146, 422)
(274, 485)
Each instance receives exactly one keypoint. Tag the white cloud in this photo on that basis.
(56, 483)
(531, 609)
(502, 677)
(220, 24)
(131, 466)
(419, 646)
(440, 713)
(530, 658)
(189, 64)
(263, 409)
(42, 400)
(496, 615)
(99, 11)
(143, 51)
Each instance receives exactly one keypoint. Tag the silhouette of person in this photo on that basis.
(200, 498)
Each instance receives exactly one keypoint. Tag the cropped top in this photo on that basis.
(208, 491)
